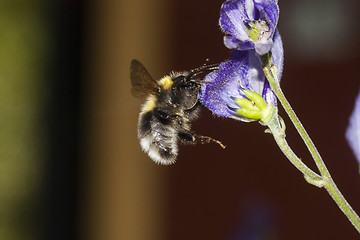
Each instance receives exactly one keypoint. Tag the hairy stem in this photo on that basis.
(325, 180)
(279, 136)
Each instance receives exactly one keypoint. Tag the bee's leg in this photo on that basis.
(193, 138)
(206, 139)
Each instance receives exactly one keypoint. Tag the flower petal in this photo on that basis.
(277, 53)
(353, 130)
(234, 43)
(251, 22)
(233, 14)
(269, 11)
(223, 84)
(243, 71)
(277, 58)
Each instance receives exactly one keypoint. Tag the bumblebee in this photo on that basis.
(171, 103)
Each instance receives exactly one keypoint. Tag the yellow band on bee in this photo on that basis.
(166, 82)
(149, 104)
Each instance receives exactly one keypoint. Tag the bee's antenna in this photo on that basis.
(193, 73)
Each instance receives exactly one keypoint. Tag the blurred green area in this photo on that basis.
(23, 50)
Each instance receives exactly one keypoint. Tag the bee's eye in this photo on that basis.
(179, 78)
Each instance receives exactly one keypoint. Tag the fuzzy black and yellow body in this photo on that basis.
(171, 103)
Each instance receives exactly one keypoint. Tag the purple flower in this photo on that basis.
(353, 130)
(243, 71)
(251, 24)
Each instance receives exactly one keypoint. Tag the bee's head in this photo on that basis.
(182, 81)
(191, 79)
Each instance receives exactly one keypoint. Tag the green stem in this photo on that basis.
(279, 137)
(310, 176)
(295, 120)
(325, 181)
(336, 195)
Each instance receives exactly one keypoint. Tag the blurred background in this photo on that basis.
(70, 162)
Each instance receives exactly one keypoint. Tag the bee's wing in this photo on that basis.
(141, 81)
